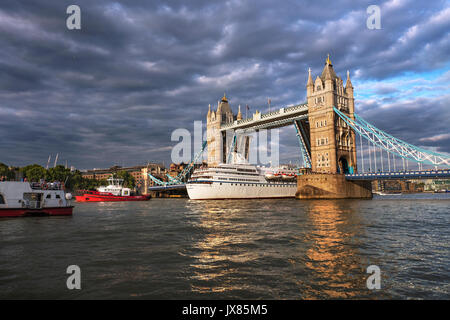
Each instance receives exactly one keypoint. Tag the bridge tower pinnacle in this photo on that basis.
(333, 144)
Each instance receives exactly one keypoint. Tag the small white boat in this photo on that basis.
(34, 199)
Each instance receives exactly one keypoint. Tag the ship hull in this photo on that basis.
(217, 191)
(23, 212)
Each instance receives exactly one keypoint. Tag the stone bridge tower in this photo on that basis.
(333, 148)
(333, 143)
(216, 139)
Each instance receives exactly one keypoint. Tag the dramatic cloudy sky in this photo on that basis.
(114, 91)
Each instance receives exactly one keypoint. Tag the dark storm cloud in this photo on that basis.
(114, 91)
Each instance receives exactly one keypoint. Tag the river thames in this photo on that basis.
(251, 249)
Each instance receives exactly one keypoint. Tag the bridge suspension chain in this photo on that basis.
(178, 179)
(391, 144)
(157, 181)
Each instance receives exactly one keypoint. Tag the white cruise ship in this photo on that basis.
(242, 181)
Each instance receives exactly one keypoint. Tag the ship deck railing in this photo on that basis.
(46, 186)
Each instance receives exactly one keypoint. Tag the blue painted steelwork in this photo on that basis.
(233, 144)
(401, 175)
(157, 181)
(182, 174)
(171, 179)
(186, 170)
(168, 187)
(392, 144)
(303, 148)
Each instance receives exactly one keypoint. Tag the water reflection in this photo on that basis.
(223, 249)
(270, 249)
(311, 252)
(332, 260)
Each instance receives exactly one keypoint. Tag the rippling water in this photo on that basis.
(252, 249)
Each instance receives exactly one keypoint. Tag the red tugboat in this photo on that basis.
(18, 199)
(113, 192)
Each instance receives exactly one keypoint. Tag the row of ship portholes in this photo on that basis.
(258, 185)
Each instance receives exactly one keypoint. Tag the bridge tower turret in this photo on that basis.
(216, 139)
(333, 148)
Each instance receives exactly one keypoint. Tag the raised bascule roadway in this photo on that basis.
(326, 127)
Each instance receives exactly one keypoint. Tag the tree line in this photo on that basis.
(73, 180)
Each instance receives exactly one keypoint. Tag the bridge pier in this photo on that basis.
(331, 186)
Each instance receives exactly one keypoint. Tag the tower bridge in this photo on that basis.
(327, 143)
(327, 127)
